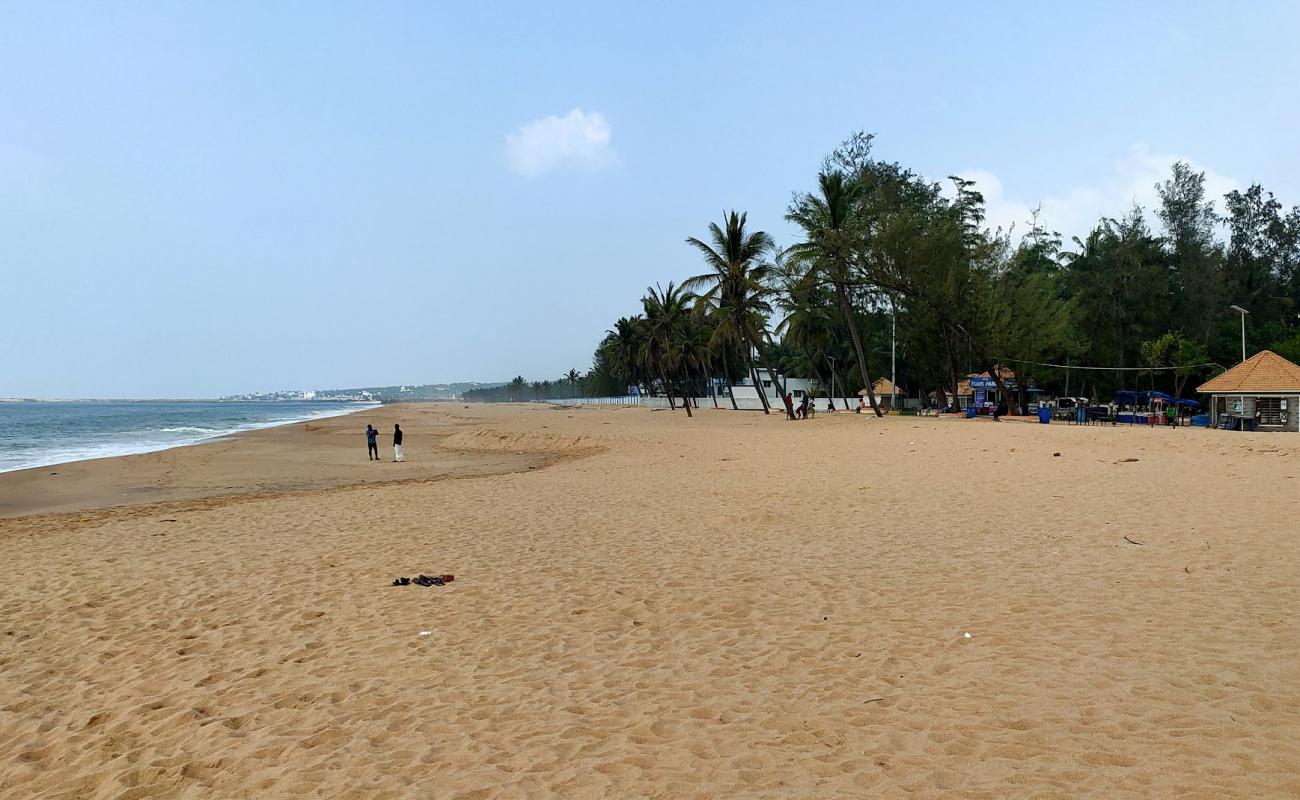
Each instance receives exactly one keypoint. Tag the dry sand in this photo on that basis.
(731, 606)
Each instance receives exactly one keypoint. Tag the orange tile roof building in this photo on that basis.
(1264, 388)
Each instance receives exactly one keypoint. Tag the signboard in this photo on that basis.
(979, 397)
(983, 383)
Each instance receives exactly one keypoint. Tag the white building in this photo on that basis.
(745, 390)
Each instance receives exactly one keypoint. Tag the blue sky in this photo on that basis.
(203, 199)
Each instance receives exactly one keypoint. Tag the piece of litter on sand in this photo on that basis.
(426, 633)
(967, 634)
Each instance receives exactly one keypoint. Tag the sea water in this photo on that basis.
(38, 434)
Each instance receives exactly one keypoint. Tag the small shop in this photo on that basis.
(1261, 393)
(981, 392)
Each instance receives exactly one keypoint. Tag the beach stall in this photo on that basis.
(1261, 393)
(885, 394)
(1148, 408)
(981, 391)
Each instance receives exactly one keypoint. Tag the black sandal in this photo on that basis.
(401, 581)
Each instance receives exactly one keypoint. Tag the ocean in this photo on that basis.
(44, 433)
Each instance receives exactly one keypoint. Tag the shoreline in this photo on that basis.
(143, 449)
(325, 452)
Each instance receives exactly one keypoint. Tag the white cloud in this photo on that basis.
(1075, 212)
(577, 141)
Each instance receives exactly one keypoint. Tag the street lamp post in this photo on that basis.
(1243, 313)
(1242, 399)
(893, 360)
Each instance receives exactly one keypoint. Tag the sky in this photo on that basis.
(202, 199)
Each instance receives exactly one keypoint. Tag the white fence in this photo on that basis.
(627, 400)
(750, 403)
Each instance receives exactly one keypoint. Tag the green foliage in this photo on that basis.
(880, 242)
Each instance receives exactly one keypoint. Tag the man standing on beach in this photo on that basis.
(397, 443)
(372, 443)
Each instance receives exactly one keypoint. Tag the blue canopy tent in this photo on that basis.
(1134, 398)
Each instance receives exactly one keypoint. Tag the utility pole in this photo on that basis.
(1242, 399)
(893, 358)
(1243, 313)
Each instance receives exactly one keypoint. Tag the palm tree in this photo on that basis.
(517, 388)
(826, 220)
(537, 390)
(721, 344)
(735, 287)
(808, 323)
(572, 377)
(625, 346)
(667, 343)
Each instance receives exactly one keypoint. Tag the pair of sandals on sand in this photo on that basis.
(425, 580)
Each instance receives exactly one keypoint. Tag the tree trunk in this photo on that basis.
(952, 368)
(668, 390)
(767, 364)
(753, 372)
(785, 387)
(847, 310)
(1002, 386)
(818, 375)
(726, 374)
(758, 387)
(767, 338)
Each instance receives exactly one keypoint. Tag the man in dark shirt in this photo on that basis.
(372, 443)
(397, 443)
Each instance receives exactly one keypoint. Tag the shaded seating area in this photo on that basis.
(1149, 408)
(1261, 393)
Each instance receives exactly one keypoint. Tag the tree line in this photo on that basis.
(570, 385)
(880, 245)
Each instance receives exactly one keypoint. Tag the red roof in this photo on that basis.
(1265, 371)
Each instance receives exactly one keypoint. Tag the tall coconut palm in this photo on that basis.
(721, 345)
(808, 321)
(735, 288)
(626, 341)
(517, 388)
(826, 219)
(572, 376)
(667, 343)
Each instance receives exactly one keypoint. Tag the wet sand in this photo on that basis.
(731, 606)
(319, 454)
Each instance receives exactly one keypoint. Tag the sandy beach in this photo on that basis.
(646, 606)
